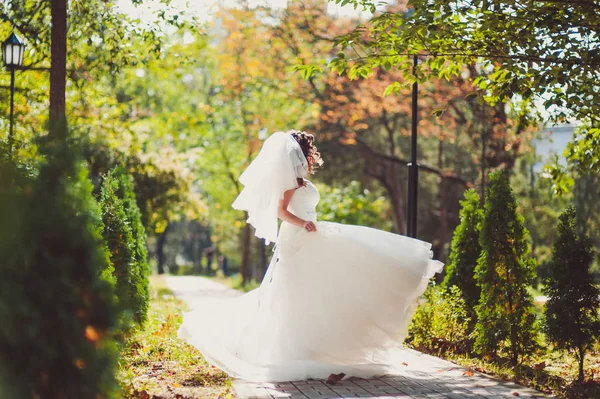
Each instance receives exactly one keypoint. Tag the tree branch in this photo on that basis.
(476, 55)
(393, 158)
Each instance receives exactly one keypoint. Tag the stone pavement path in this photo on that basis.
(415, 375)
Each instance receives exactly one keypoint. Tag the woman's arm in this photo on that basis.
(287, 216)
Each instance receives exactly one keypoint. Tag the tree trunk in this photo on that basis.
(210, 256)
(581, 351)
(200, 270)
(245, 263)
(262, 269)
(160, 254)
(483, 149)
(513, 324)
(58, 69)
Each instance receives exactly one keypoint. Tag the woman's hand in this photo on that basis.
(301, 183)
(310, 227)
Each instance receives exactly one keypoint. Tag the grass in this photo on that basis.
(156, 364)
(235, 281)
(553, 372)
(549, 370)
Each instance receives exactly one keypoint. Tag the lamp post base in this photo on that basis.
(413, 186)
(12, 112)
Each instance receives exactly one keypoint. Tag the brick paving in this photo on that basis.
(418, 376)
(414, 376)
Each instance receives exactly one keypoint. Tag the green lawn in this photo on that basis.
(156, 364)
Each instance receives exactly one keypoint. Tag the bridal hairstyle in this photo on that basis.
(309, 149)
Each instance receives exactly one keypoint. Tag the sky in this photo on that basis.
(203, 9)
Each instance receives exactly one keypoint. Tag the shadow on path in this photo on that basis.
(415, 375)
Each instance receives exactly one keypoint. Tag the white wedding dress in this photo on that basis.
(336, 300)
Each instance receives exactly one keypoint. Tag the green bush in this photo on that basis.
(442, 322)
(464, 253)
(138, 233)
(57, 312)
(572, 319)
(505, 270)
(161, 189)
(353, 205)
(126, 241)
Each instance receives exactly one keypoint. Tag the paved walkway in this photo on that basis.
(415, 375)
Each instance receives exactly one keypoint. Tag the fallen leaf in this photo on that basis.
(540, 366)
(335, 378)
(92, 334)
(515, 394)
(404, 364)
(79, 363)
(469, 373)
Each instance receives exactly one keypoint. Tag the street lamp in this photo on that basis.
(12, 54)
(413, 166)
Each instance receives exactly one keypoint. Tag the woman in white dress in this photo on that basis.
(335, 299)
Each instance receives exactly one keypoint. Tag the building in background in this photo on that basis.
(552, 141)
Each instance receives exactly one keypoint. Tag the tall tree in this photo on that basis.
(366, 133)
(139, 261)
(58, 69)
(585, 200)
(504, 272)
(244, 100)
(572, 316)
(465, 251)
(535, 50)
(96, 54)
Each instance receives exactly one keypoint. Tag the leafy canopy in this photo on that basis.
(534, 51)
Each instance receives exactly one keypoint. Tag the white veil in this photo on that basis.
(275, 170)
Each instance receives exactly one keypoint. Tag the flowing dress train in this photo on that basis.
(332, 301)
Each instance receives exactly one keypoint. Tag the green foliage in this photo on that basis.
(352, 205)
(57, 312)
(125, 237)
(453, 34)
(163, 192)
(138, 235)
(587, 202)
(504, 272)
(96, 53)
(572, 318)
(465, 251)
(540, 209)
(99, 107)
(583, 156)
(524, 61)
(442, 322)
(580, 151)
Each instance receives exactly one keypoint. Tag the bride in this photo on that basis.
(335, 299)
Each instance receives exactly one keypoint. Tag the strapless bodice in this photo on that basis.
(304, 202)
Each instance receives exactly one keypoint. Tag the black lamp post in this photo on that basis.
(413, 166)
(12, 54)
